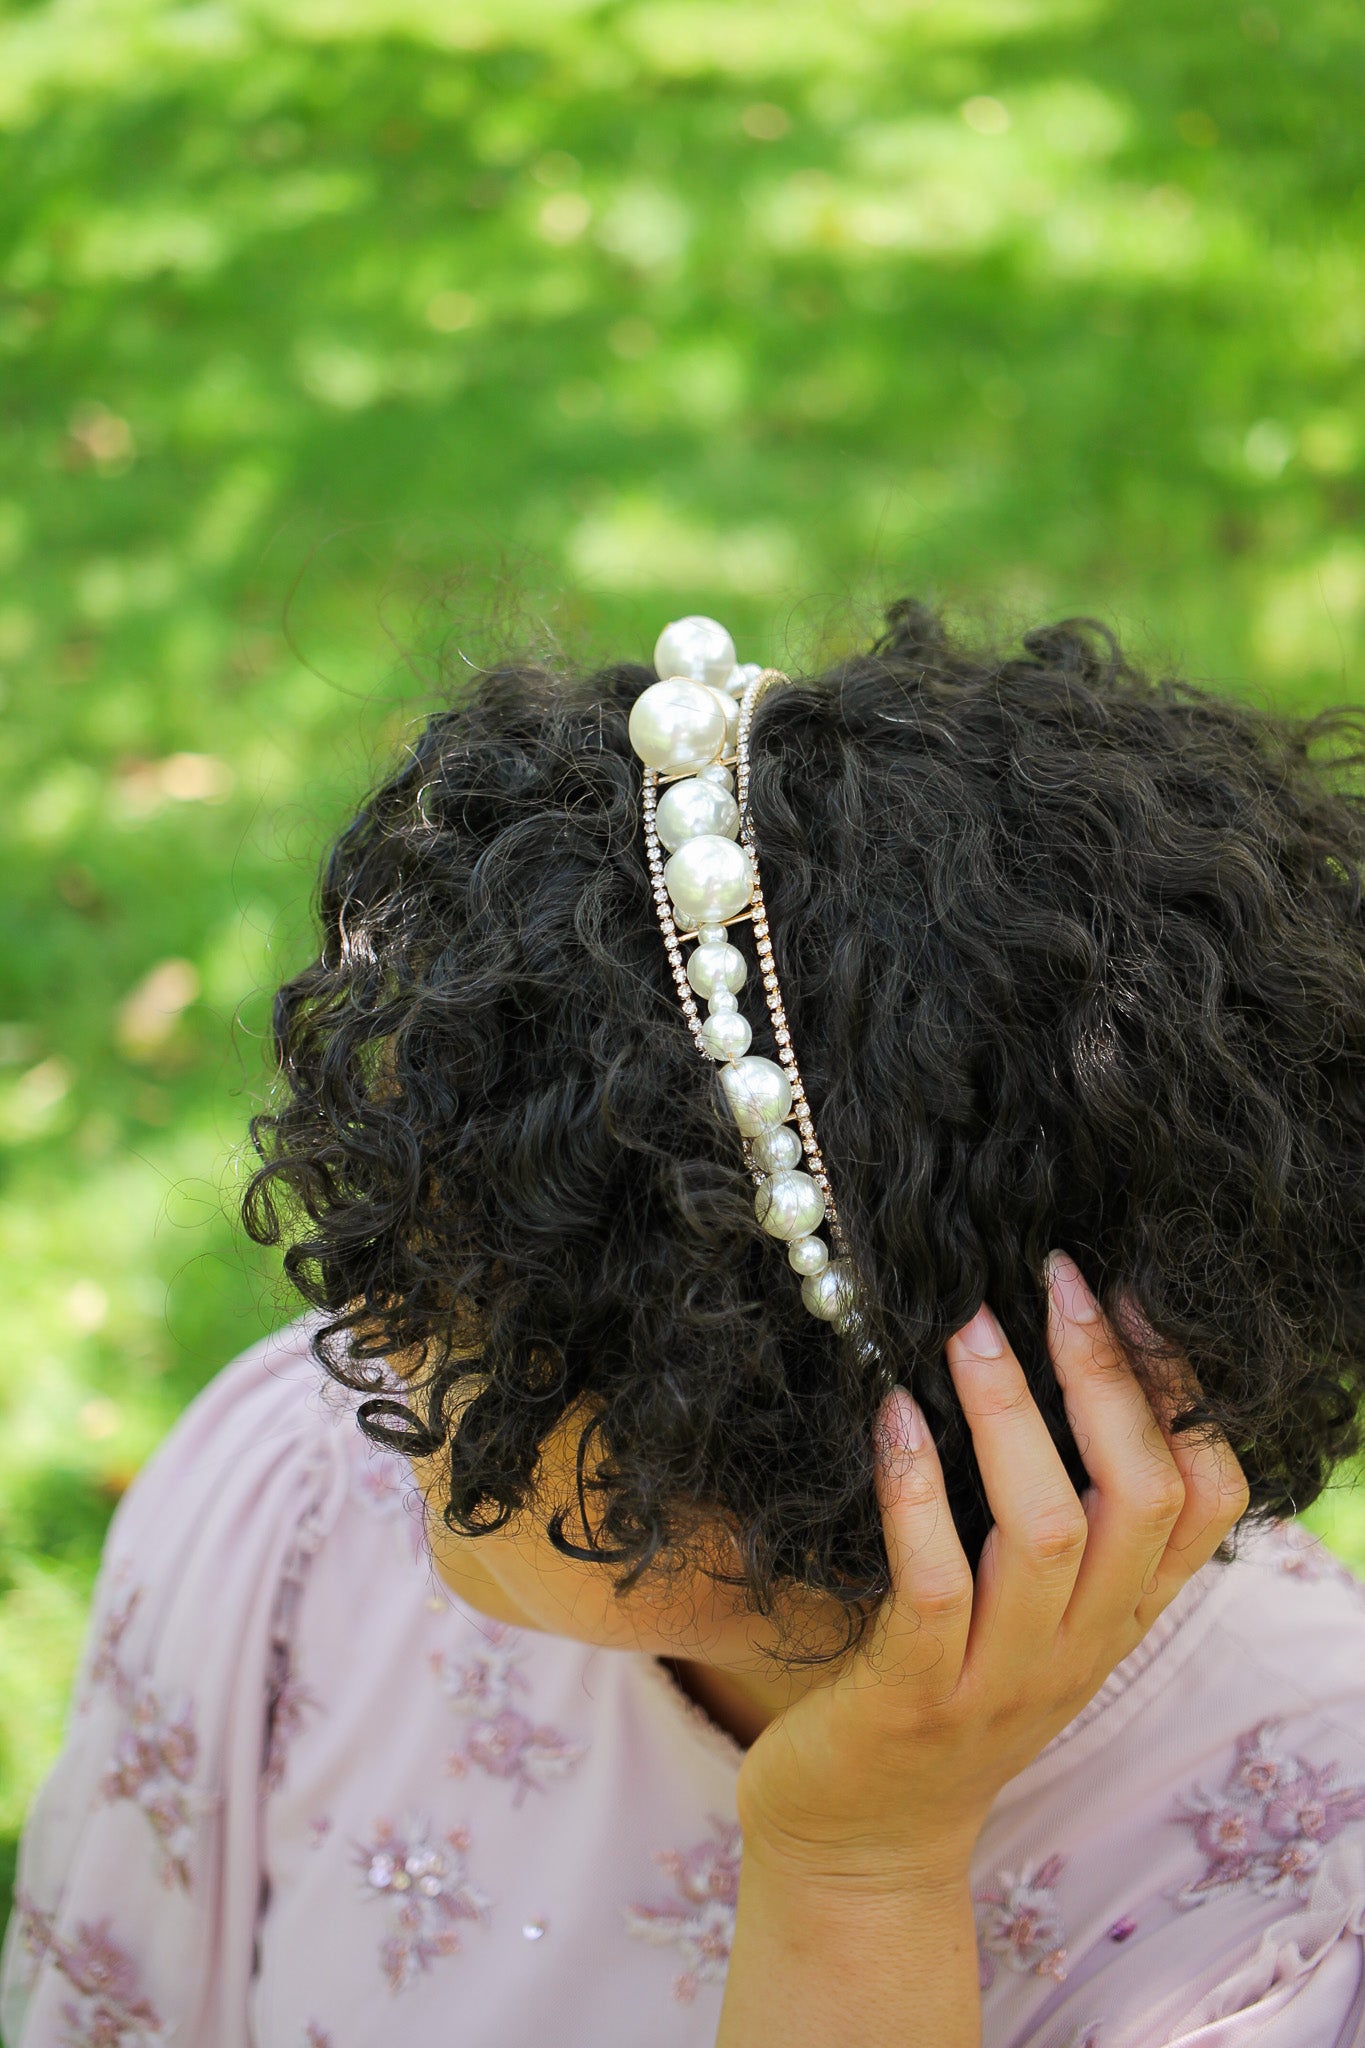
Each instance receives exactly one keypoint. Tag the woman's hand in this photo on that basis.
(860, 1806)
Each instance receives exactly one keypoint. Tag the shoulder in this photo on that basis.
(268, 1404)
(249, 1479)
(140, 1855)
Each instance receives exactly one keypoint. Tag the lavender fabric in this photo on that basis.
(308, 1800)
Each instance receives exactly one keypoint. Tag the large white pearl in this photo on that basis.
(696, 647)
(829, 1293)
(715, 967)
(739, 679)
(689, 808)
(808, 1255)
(677, 725)
(708, 878)
(726, 1034)
(777, 1150)
(789, 1205)
(730, 706)
(713, 772)
(758, 1092)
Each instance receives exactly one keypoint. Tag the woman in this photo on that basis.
(980, 1628)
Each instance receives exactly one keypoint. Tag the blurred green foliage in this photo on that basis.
(339, 338)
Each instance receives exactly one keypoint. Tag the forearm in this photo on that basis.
(820, 1967)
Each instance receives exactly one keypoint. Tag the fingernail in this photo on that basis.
(982, 1335)
(916, 1428)
(1073, 1298)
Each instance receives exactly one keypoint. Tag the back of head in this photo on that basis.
(1071, 959)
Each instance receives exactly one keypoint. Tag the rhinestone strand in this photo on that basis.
(767, 966)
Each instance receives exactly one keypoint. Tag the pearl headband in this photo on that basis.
(690, 729)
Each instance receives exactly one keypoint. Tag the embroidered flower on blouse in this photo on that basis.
(502, 1741)
(103, 1667)
(1019, 1921)
(153, 1766)
(428, 1893)
(1267, 1825)
(109, 2009)
(32, 1933)
(156, 1751)
(482, 1682)
(1261, 1763)
(700, 1920)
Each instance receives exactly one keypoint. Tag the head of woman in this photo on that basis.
(1071, 959)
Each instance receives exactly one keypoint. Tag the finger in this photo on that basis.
(921, 1631)
(1138, 1492)
(1216, 1498)
(1034, 1551)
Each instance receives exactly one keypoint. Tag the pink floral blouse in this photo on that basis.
(308, 1800)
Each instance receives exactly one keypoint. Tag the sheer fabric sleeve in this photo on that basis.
(1304, 1984)
(1323, 2010)
(1298, 1982)
(139, 1880)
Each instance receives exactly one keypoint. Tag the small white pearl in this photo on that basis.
(688, 808)
(708, 877)
(827, 1293)
(711, 967)
(696, 647)
(713, 772)
(722, 1002)
(739, 679)
(808, 1255)
(712, 934)
(726, 1035)
(676, 725)
(789, 1205)
(774, 1151)
(758, 1092)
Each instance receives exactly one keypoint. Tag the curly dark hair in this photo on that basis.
(1071, 958)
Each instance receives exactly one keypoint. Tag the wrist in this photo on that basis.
(861, 1865)
(858, 1876)
(840, 1955)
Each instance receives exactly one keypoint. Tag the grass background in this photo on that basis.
(340, 339)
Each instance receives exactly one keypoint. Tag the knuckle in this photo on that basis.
(943, 1593)
(1156, 1504)
(918, 1487)
(1219, 1485)
(1057, 1535)
(999, 1395)
(1090, 1351)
